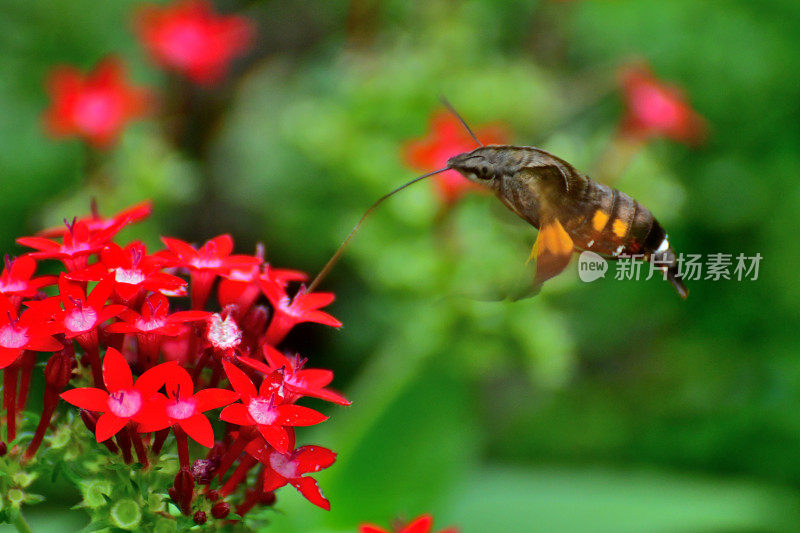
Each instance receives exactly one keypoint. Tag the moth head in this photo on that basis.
(479, 166)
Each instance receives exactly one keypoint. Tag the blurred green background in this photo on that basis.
(610, 406)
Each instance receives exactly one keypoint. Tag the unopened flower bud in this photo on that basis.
(221, 510)
(3, 449)
(200, 518)
(203, 470)
(268, 498)
(212, 495)
(58, 371)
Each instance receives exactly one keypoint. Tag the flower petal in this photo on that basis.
(116, 372)
(422, 524)
(313, 459)
(239, 381)
(297, 415)
(87, 398)
(277, 436)
(273, 480)
(208, 399)
(309, 488)
(108, 425)
(168, 373)
(199, 428)
(237, 414)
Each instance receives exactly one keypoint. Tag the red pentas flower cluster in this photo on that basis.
(150, 355)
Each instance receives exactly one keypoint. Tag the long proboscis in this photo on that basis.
(335, 257)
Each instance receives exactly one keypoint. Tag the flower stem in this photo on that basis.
(245, 436)
(21, 524)
(124, 441)
(183, 445)
(50, 403)
(27, 363)
(138, 445)
(238, 475)
(10, 399)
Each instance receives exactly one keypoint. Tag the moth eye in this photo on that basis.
(484, 172)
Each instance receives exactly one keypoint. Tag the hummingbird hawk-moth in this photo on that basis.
(571, 211)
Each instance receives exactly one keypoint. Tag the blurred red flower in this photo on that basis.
(95, 107)
(421, 524)
(188, 37)
(446, 138)
(654, 108)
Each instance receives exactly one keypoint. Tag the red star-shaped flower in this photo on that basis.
(298, 381)
(446, 138)
(653, 108)
(95, 107)
(27, 332)
(96, 222)
(17, 279)
(77, 244)
(288, 312)
(188, 37)
(265, 409)
(206, 263)
(291, 468)
(155, 318)
(185, 408)
(124, 401)
(81, 314)
(133, 271)
(421, 524)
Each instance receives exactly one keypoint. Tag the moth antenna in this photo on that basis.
(452, 109)
(338, 253)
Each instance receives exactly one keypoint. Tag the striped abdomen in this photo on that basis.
(609, 222)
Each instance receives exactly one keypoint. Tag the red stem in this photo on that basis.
(238, 475)
(183, 445)
(245, 436)
(50, 403)
(28, 361)
(138, 445)
(10, 398)
(124, 441)
(158, 442)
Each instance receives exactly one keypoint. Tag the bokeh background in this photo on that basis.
(611, 406)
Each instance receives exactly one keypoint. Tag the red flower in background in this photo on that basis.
(78, 242)
(654, 108)
(446, 138)
(421, 524)
(95, 107)
(124, 401)
(290, 468)
(188, 37)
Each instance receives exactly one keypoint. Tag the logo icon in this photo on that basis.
(591, 266)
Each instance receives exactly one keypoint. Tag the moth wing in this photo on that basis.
(552, 250)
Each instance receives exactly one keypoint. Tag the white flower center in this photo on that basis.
(13, 286)
(131, 277)
(125, 403)
(149, 325)
(261, 411)
(182, 409)
(283, 465)
(81, 319)
(224, 333)
(11, 337)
